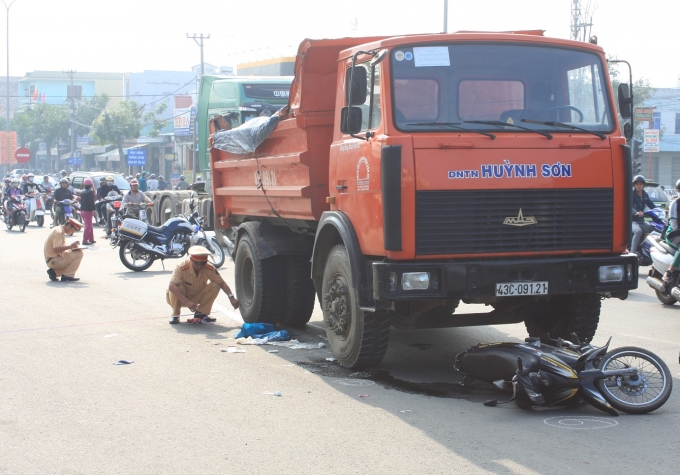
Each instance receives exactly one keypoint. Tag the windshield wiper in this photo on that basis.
(565, 126)
(499, 123)
(455, 125)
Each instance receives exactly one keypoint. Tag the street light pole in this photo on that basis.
(7, 94)
(446, 16)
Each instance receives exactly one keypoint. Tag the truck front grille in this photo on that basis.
(472, 221)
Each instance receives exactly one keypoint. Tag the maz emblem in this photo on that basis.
(520, 220)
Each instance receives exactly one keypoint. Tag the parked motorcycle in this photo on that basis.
(15, 213)
(137, 210)
(627, 379)
(141, 244)
(36, 207)
(658, 221)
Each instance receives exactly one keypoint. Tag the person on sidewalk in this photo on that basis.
(195, 284)
(87, 209)
(63, 260)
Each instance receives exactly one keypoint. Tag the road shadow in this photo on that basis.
(141, 275)
(211, 331)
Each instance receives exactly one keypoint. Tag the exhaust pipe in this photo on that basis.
(150, 248)
(675, 292)
(656, 284)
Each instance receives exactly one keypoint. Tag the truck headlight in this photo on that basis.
(415, 280)
(611, 273)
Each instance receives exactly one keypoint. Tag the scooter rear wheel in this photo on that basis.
(40, 220)
(640, 394)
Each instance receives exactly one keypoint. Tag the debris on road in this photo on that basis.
(122, 362)
(232, 349)
(330, 359)
(275, 393)
(363, 396)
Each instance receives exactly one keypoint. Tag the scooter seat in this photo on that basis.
(670, 249)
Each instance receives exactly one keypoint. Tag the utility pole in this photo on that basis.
(71, 97)
(446, 16)
(196, 37)
(581, 25)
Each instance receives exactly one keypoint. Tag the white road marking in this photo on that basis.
(229, 312)
(580, 422)
(650, 339)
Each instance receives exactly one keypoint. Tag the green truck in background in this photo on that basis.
(239, 98)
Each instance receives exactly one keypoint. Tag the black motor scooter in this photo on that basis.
(629, 379)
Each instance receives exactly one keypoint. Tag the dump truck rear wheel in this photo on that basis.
(299, 298)
(563, 315)
(357, 338)
(258, 284)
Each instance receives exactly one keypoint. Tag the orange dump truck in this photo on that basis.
(415, 172)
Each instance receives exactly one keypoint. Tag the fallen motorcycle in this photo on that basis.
(627, 379)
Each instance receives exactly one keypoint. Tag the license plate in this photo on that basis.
(142, 214)
(508, 289)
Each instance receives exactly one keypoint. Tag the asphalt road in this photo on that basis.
(186, 407)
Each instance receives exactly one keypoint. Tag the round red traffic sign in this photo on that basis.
(23, 155)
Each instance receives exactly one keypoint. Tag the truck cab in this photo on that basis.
(428, 170)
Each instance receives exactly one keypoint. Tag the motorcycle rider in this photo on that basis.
(143, 186)
(162, 184)
(152, 183)
(182, 185)
(30, 187)
(134, 196)
(640, 199)
(107, 186)
(13, 192)
(672, 235)
(47, 188)
(5, 191)
(61, 193)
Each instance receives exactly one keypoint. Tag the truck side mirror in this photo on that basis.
(625, 106)
(353, 125)
(356, 85)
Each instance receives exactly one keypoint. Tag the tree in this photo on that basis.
(642, 92)
(87, 111)
(42, 122)
(124, 122)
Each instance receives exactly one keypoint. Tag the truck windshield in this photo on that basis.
(477, 83)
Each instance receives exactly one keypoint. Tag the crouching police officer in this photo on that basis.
(61, 259)
(195, 284)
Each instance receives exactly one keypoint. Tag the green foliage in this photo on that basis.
(87, 111)
(112, 126)
(642, 92)
(152, 119)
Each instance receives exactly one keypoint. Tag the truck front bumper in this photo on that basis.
(395, 281)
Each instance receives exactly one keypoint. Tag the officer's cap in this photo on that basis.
(74, 223)
(199, 253)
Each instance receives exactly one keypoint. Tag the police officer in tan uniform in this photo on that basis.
(195, 284)
(61, 259)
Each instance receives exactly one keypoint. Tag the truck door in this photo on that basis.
(355, 168)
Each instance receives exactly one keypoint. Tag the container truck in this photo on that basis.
(416, 172)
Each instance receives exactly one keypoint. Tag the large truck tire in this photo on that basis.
(259, 286)
(299, 298)
(563, 315)
(358, 338)
(166, 210)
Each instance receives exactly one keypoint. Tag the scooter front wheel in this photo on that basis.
(40, 220)
(21, 222)
(640, 393)
(135, 259)
(8, 221)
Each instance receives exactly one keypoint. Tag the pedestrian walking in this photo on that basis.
(87, 209)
